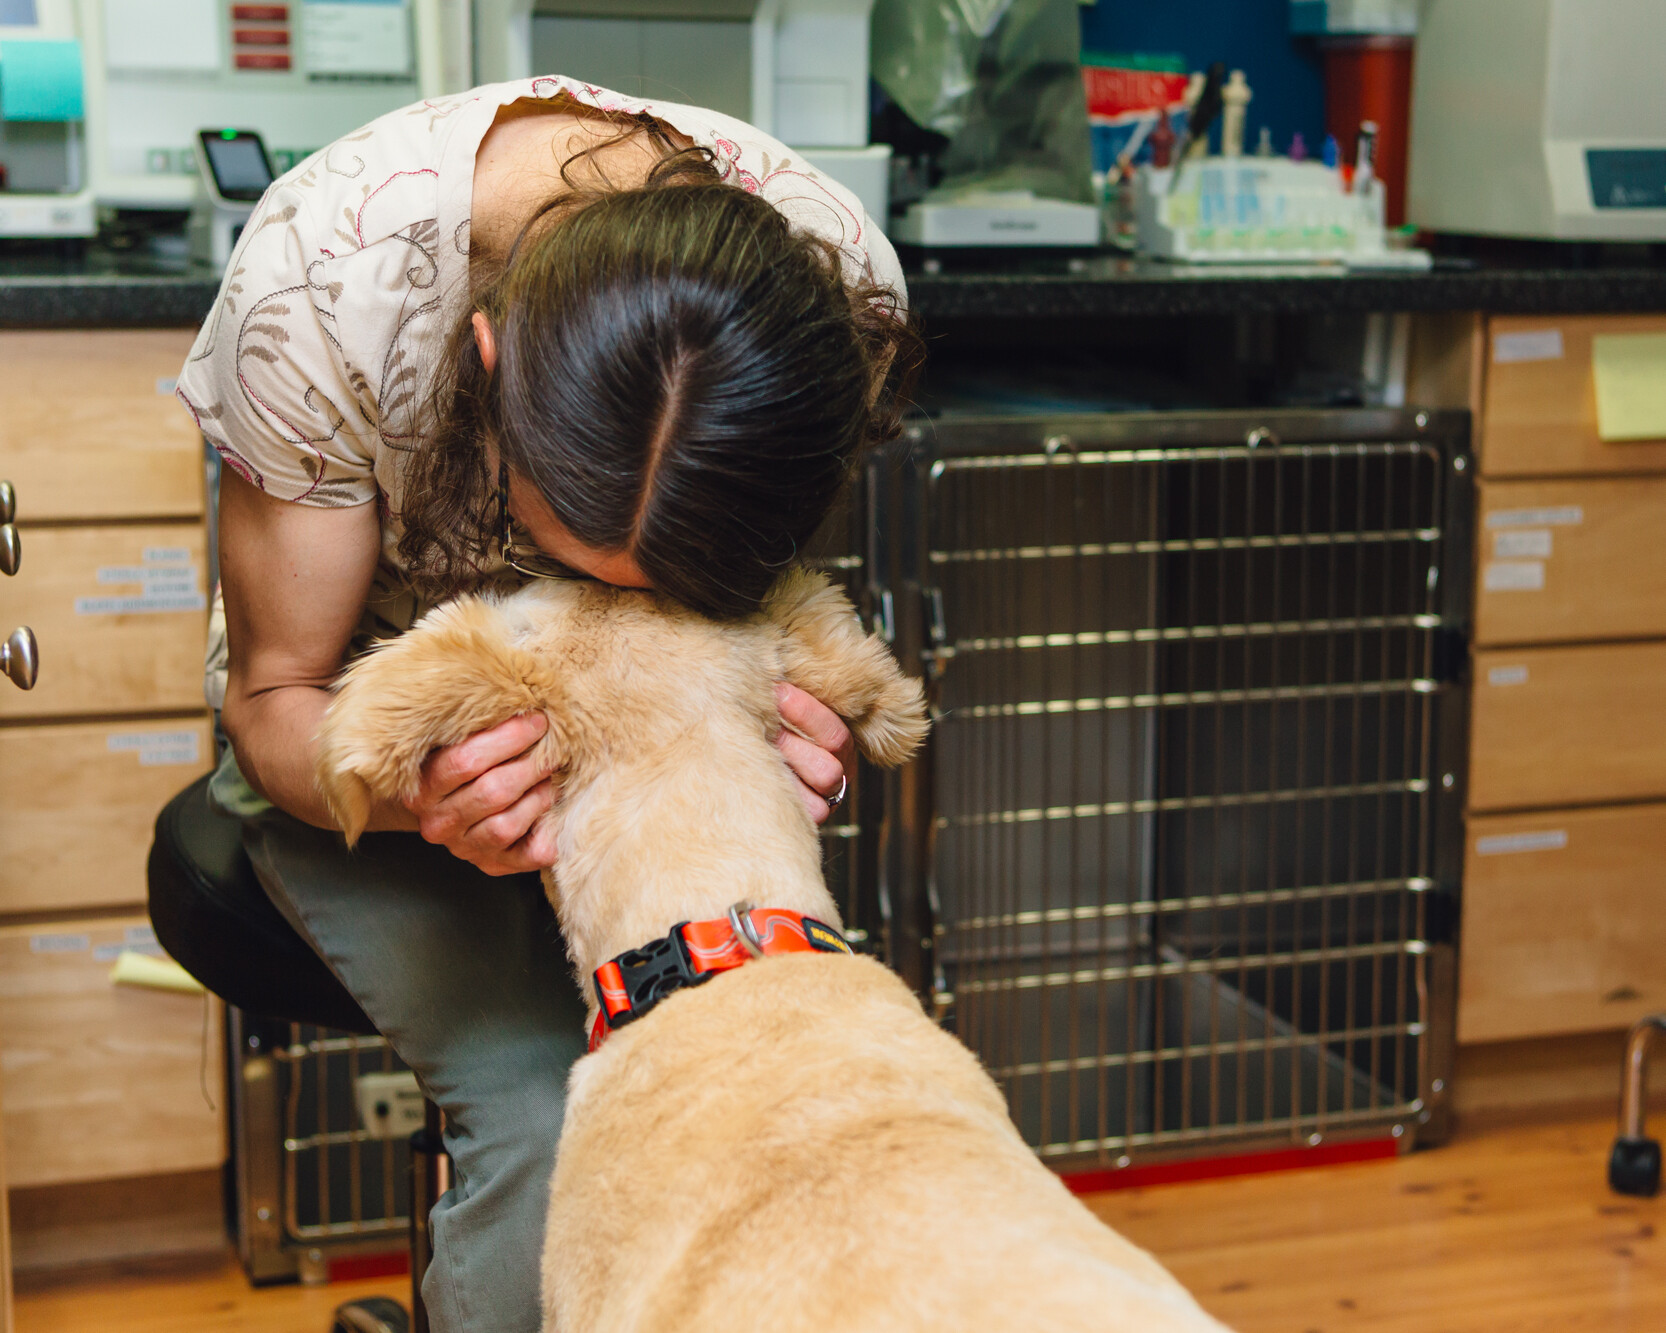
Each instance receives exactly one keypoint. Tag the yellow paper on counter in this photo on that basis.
(137, 969)
(1630, 372)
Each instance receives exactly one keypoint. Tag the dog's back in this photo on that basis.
(795, 1147)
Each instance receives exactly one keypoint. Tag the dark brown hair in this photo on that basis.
(682, 376)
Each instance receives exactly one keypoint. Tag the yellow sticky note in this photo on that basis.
(137, 969)
(1631, 385)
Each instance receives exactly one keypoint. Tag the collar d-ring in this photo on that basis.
(740, 922)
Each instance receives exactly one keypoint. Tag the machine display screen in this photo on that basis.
(239, 165)
(1627, 177)
(17, 14)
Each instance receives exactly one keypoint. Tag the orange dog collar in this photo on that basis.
(696, 951)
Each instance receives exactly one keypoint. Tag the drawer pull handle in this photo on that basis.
(20, 657)
(8, 502)
(11, 549)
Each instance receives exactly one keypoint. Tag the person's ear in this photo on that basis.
(486, 341)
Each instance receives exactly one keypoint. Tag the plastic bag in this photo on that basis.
(1002, 80)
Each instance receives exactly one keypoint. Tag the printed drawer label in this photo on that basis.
(1527, 345)
(60, 943)
(157, 748)
(1502, 844)
(1555, 516)
(1514, 576)
(169, 581)
(1523, 544)
(1507, 675)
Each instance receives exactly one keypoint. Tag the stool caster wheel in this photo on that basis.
(1634, 1167)
(374, 1314)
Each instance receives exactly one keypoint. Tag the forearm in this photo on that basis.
(274, 735)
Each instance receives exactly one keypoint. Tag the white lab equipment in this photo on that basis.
(1540, 118)
(234, 172)
(1264, 210)
(152, 73)
(43, 122)
(797, 69)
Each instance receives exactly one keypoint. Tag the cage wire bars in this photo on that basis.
(1190, 813)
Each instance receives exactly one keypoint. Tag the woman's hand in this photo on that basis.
(823, 762)
(483, 799)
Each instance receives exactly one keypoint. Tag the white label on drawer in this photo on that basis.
(59, 943)
(149, 575)
(1522, 544)
(1507, 675)
(1527, 345)
(157, 748)
(1559, 516)
(138, 936)
(148, 603)
(165, 384)
(1501, 844)
(168, 555)
(1513, 576)
(108, 953)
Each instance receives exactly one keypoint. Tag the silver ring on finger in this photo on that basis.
(838, 798)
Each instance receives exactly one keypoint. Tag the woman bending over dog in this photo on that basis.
(538, 329)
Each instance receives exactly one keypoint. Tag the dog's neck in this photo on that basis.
(603, 916)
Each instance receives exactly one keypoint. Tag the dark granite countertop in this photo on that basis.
(102, 289)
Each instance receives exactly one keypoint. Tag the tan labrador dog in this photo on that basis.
(792, 1145)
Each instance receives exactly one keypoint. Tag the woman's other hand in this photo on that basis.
(821, 763)
(484, 799)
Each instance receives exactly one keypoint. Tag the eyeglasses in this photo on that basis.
(520, 557)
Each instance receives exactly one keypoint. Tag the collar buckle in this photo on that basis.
(647, 975)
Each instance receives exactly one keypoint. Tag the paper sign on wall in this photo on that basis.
(1630, 371)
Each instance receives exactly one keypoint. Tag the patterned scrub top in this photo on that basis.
(311, 374)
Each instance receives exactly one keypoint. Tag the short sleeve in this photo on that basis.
(267, 380)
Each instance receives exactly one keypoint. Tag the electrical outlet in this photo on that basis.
(390, 1105)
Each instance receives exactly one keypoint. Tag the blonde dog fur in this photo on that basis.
(790, 1147)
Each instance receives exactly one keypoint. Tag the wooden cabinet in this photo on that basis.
(77, 803)
(120, 611)
(1565, 561)
(1567, 726)
(1540, 406)
(89, 426)
(1563, 923)
(101, 1080)
(1565, 873)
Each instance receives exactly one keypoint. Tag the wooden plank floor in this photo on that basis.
(1512, 1229)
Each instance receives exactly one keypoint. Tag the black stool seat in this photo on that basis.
(214, 919)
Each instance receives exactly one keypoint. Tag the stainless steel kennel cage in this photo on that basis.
(1186, 844)
(1180, 862)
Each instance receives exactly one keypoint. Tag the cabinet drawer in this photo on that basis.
(77, 805)
(1562, 923)
(1570, 560)
(100, 1080)
(1540, 415)
(89, 426)
(1567, 726)
(120, 616)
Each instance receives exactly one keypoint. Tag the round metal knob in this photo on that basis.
(11, 549)
(20, 657)
(8, 502)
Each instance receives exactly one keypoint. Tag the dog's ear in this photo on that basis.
(826, 654)
(454, 674)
